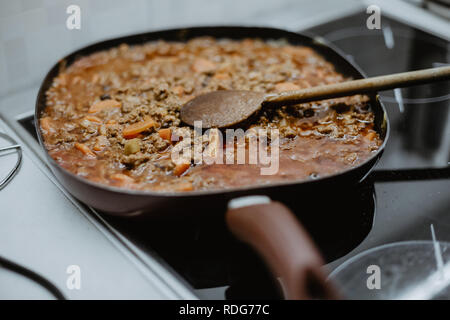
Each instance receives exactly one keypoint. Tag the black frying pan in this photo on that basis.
(245, 222)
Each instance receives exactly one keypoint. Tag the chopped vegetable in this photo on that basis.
(286, 86)
(166, 134)
(123, 179)
(134, 129)
(301, 52)
(93, 119)
(178, 90)
(111, 124)
(62, 78)
(76, 80)
(95, 78)
(184, 186)
(371, 135)
(85, 149)
(181, 168)
(222, 76)
(104, 104)
(46, 125)
(132, 146)
(101, 143)
(203, 65)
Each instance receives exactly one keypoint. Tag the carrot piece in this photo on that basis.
(123, 180)
(75, 80)
(111, 124)
(371, 135)
(286, 86)
(178, 90)
(133, 136)
(222, 76)
(101, 143)
(184, 186)
(104, 104)
(93, 119)
(62, 79)
(134, 129)
(203, 65)
(181, 168)
(166, 134)
(85, 149)
(95, 78)
(298, 51)
(46, 125)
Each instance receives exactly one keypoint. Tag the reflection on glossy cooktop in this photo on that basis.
(206, 255)
(420, 118)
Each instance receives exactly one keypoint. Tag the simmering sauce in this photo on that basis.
(113, 117)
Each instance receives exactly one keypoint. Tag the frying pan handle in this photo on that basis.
(275, 233)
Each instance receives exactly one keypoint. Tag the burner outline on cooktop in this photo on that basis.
(389, 35)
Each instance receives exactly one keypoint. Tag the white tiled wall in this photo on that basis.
(33, 33)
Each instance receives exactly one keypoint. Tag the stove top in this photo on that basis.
(408, 191)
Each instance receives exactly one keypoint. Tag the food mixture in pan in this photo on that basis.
(113, 117)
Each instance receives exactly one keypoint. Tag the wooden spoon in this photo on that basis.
(220, 109)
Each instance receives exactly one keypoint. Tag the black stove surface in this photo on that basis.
(412, 179)
(408, 191)
(205, 254)
(419, 115)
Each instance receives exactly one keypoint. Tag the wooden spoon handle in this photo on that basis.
(368, 85)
